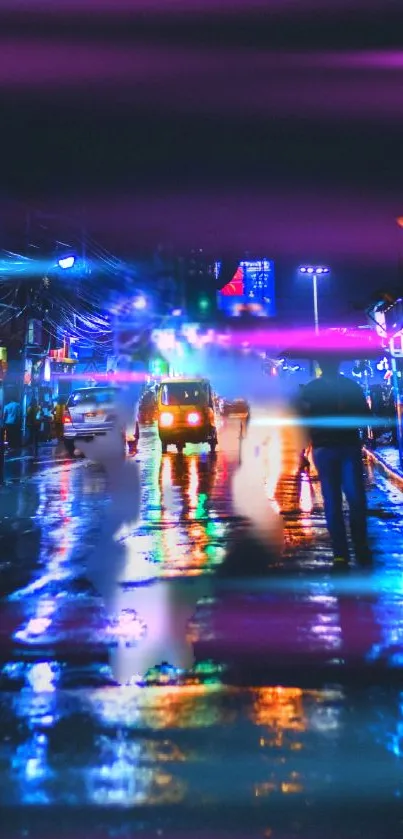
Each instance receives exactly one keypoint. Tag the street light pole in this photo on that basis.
(2, 428)
(315, 302)
(314, 271)
(398, 403)
(2, 441)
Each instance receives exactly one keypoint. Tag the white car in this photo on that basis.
(93, 411)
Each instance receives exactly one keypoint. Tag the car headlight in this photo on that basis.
(166, 420)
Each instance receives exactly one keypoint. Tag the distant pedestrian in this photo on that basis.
(34, 424)
(335, 409)
(58, 417)
(12, 423)
(46, 422)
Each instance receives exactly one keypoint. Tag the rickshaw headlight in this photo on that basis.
(166, 420)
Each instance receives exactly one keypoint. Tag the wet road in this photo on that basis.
(211, 745)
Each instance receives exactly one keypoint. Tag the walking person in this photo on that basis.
(34, 424)
(47, 416)
(335, 409)
(58, 417)
(12, 423)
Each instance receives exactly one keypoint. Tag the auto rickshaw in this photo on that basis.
(186, 413)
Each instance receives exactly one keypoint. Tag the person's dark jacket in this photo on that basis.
(334, 409)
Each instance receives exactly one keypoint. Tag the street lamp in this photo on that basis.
(66, 262)
(314, 272)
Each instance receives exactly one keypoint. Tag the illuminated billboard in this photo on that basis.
(251, 290)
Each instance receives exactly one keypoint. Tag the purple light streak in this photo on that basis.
(302, 340)
(123, 376)
(231, 8)
(219, 82)
(167, 79)
(306, 340)
(340, 224)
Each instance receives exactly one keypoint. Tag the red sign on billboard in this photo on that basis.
(236, 287)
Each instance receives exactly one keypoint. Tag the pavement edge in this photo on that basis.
(393, 474)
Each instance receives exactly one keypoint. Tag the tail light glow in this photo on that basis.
(66, 418)
(166, 420)
(194, 418)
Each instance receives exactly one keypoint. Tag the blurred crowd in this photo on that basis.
(43, 422)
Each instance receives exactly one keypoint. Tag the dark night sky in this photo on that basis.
(277, 129)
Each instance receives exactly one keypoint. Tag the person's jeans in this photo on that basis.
(340, 471)
(13, 435)
(34, 436)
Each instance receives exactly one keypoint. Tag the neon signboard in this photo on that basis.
(251, 289)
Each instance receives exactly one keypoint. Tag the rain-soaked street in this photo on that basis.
(281, 710)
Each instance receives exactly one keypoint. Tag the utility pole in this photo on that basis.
(2, 432)
(395, 379)
(27, 301)
(398, 401)
(24, 364)
(2, 429)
